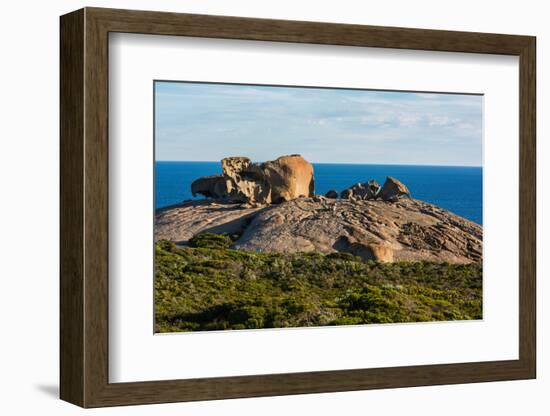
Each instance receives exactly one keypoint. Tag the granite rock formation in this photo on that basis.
(393, 190)
(276, 181)
(271, 207)
(405, 230)
(357, 191)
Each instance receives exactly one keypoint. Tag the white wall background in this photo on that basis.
(29, 210)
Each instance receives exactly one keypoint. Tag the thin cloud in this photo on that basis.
(209, 121)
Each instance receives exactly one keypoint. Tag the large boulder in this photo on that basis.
(289, 177)
(283, 179)
(393, 190)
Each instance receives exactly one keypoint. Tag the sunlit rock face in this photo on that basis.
(393, 190)
(275, 181)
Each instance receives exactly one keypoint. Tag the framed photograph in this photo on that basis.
(254, 207)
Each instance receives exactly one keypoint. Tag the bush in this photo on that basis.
(209, 240)
(209, 287)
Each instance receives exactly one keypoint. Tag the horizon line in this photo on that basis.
(339, 163)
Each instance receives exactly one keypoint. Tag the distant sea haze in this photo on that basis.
(455, 188)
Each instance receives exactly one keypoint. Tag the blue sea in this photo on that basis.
(457, 189)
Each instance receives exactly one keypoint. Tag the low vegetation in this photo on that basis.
(208, 286)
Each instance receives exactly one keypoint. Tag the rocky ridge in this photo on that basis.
(271, 207)
(405, 230)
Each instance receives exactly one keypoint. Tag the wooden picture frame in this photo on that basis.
(84, 207)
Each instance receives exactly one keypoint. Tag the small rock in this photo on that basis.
(372, 189)
(346, 193)
(332, 194)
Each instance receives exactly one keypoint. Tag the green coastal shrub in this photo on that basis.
(209, 240)
(207, 286)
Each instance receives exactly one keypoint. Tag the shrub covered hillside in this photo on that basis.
(207, 286)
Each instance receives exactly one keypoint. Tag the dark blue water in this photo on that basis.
(457, 189)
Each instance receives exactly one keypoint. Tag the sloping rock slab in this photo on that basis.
(407, 230)
(179, 223)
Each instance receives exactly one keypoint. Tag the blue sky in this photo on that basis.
(207, 122)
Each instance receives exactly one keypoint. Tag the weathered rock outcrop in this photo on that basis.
(357, 191)
(368, 190)
(178, 223)
(405, 230)
(271, 207)
(393, 190)
(289, 177)
(283, 179)
(372, 189)
(210, 186)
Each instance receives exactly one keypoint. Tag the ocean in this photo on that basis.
(457, 189)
